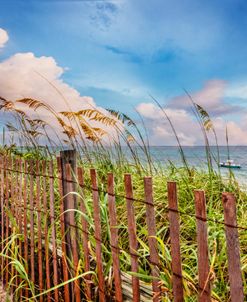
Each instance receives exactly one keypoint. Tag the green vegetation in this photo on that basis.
(134, 158)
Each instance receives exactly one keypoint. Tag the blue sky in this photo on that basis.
(119, 52)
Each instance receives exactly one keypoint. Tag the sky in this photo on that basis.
(119, 54)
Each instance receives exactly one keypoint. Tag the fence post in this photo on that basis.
(69, 202)
(73, 235)
(202, 241)
(233, 253)
(177, 278)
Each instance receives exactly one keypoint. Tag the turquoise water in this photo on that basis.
(196, 156)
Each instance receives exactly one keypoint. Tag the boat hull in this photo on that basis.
(230, 166)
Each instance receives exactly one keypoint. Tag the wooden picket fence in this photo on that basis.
(53, 256)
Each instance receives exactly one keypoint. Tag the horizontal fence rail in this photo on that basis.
(61, 237)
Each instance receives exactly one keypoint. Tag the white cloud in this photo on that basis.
(187, 127)
(236, 131)
(159, 129)
(150, 111)
(3, 37)
(210, 97)
(25, 75)
(237, 90)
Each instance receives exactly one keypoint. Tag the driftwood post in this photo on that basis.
(68, 157)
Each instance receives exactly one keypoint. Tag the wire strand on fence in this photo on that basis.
(129, 254)
(90, 188)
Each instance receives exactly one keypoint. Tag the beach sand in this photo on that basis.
(3, 296)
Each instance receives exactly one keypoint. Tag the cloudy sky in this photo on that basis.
(115, 54)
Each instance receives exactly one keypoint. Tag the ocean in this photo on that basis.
(196, 157)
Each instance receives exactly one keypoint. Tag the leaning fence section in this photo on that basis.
(60, 237)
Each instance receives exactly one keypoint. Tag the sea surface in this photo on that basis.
(196, 157)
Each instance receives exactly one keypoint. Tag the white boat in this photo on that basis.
(230, 164)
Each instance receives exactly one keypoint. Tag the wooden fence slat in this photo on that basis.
(7, 188)
(63, 244)
(53, 230)
(114, 237)
(174, 227)
(20, 187)
(233, 251)
(12, 220)
(152, 241)
(2, 213)
(12, 213)
(25, 222)
(31, 197)
(97, 225)
(20, 215)
(133, 243)
(85, 237)
(45, 206)
(5, 196)
(40, 256)
(17, 217)
(20, 197)
(202, 242)
(15, 212)
(73, 235)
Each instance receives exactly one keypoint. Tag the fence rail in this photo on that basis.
(46, 226)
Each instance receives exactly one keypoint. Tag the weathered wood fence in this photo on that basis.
(40, 228)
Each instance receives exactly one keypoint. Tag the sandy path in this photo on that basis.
(2, 294)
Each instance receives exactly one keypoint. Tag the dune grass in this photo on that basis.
(79, 134)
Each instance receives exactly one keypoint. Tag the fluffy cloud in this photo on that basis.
(185, 124)
(238, 90)
(210, 97)
(3, 37)
(236, 131)
(25, 75)
(160, 130)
